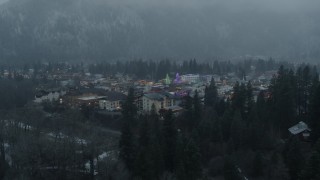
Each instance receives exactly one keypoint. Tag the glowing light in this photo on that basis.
(167, 81)
(178, 79)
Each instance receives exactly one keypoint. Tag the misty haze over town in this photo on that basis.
(159, 89)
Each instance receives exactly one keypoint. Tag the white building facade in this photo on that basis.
(109, 105)
(190, 78)
(160, 101)
(49, 95)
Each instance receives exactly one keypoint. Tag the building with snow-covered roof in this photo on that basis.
(161, 100)
(301, 129)
(112, 101)
(49, 95)
(190, 78)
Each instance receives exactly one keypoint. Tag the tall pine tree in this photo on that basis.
(315, 115)
(211, 94)
(189, 164)
(169, 142)
(127, 140)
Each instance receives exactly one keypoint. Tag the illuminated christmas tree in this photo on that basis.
(178, 79)
(167, 81)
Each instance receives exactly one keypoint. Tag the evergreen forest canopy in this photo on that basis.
(158, 69)
(240, 132)
(104, 30)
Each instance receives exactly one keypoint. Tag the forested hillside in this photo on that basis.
(236, 138)
(79, 30)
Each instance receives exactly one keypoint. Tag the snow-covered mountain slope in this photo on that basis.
(104, 30)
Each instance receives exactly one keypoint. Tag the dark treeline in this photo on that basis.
(34, 145)
(154, 69)
(220, 137)
(49, 141)
(15, 93)
(16, 90)
(159, 69)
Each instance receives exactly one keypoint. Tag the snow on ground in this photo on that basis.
(51, 134)
(61, 135)
(100, 157)
(109, 154)
(19, 124)
(7, 156)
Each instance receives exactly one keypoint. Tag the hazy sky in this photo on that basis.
(278, 5)
(3, 1)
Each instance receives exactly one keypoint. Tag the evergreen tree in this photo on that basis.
(294, 158)
(3, 164)
(127, 146)
(143, 164)
(239, 97)
(299, 94)
(189, 164)
(226, 124)
(313, 87)
(169, 142)
(144, 134)
(3, 168)
(237, 130)
(307, 80)
(261, 106)
(315, 115)
(283, 100)
(312, 168)
(235, 100)
(278, 169)
(211, 94)
(156, 158)
(209, 132)
(221, 107)
(126, 143)
(155, 125)
(188, 115)
(249, 102)
(129, 108)
(197, 110)
(256, 137)
(257, 165)
(230, 171)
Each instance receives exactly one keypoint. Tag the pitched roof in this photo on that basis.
(298, 128)
(115, 96)
(155, 96)
(99, 92)
(169, 95)
(90, 98)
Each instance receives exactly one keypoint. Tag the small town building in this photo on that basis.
(91, 100)
(49, 95)
(190, 78)
(161, 100)
(301, 130)
(112, 101)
